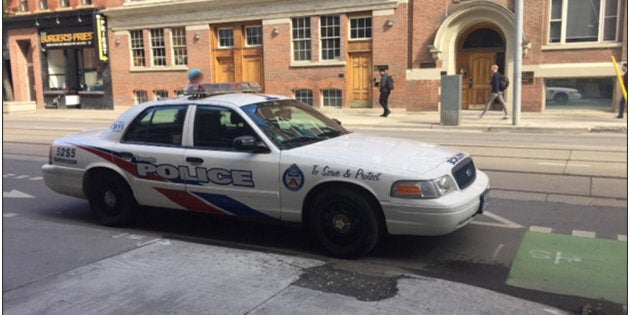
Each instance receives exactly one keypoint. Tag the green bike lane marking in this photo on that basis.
(578, 266)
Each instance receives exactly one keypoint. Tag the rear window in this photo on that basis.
(158, 126)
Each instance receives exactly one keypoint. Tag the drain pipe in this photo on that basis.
(518, 63)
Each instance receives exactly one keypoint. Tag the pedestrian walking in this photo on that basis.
(386, 86)
(622, 102)
(195, 76)
(497, 91)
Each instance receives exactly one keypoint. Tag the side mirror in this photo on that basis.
(249, 143)
(337, 121)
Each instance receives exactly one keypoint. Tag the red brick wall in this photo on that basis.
(18, 68)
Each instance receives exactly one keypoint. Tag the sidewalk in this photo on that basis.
(551, 121)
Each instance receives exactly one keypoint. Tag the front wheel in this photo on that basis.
(344, 222)
(111, 199)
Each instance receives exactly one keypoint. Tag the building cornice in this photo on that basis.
(135, 14)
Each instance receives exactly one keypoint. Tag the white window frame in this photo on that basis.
(302, 29)
(601, 25)
(301, 97)
(43, 4)
(64, 3)
(340, 98)
(178, 46)
(219, 37)
(140, 96)
(322, 38)
(140, 48)
(371, 28)
(247, 35)
(158, 47)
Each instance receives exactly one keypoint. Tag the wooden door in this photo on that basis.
(359, 79)
(252, 69)
(476, 81)
(224, 69)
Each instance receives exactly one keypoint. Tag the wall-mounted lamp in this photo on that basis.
(196, 36)
(37, 22)
(57, 20)
(275, 31)
(389, 23)
(79, 19)
(117, 41)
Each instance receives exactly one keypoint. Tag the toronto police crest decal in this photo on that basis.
(293, 178)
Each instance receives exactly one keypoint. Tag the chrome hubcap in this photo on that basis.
(341, 223)
(110, 199)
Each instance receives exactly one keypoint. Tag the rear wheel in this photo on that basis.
(111, 199)
(345, 222)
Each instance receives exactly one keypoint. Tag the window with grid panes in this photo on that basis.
(140, 96)
(253, 35)
(301, 31)
(23, 6)
(305, 96)
(160, 94)
(573, 21)
(330, 37)
(87, 2)
(361, 28)
(43, 4)
(64, 3)
(226, 37)
(137, 48)
(158, 47)
(332, 97)
(180, 53)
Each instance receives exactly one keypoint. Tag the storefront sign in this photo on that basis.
(101, 32)
(69, 39)
(527, 77)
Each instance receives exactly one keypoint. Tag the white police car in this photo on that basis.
(268, 157)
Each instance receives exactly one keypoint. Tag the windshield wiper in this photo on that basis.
(304, 139)
(329, 134)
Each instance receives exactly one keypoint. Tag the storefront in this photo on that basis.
(63, 58)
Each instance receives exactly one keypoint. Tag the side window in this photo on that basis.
(216, 128)
(158, 125)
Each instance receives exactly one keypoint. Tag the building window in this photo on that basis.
(158, 47)
(361, 28)
(43, 4)
(305, 96)
(330, 36)
(23, 6)
(65, 3)
(226, 38)
(332, 97)
(160, 94)
(180, 54)
(86, 2)
(253, 35)
(301, 31)
(140, 96)
(583, 21)
(137, 48)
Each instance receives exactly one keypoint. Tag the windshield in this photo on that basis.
(290, 124)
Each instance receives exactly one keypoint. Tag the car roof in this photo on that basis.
(229, 100)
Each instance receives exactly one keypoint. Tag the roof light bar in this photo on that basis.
(208, 89)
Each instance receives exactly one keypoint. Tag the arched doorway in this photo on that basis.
(478, 48)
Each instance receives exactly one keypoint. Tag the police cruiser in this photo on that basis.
(224, 152)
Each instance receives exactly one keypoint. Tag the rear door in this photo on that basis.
(223, 179)
(152, 155)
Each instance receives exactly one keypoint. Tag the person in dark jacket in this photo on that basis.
(496, 93)
(386, 86)
(622, 102)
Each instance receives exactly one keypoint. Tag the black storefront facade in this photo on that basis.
(73, 55)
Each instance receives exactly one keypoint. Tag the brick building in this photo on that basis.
(55, 54)
(326, 52)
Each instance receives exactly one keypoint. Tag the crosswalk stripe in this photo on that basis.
(541, 229)
(583, 233)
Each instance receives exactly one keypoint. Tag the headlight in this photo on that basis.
(424, 189)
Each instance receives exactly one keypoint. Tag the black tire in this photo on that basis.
(344, 222)
(561, 98)
(111, 199)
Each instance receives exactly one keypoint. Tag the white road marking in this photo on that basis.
(581, 165)
(623, 238)
(8, 175)
(541, 229)
(22, 177)
(503, 222)
(496, 251)
(157, 240)
(15, 194)
(579, 233)
(550, 163)
(36, 178)
(9, 215)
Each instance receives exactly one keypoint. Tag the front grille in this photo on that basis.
(465, 173)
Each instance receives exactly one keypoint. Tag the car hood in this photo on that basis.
(386, 154)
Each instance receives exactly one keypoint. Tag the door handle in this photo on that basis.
(194, 160)
(470, 81)
(126, 155)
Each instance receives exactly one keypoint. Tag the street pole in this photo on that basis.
(518, 63)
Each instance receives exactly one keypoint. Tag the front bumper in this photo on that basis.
(64, 180)
(437, 216)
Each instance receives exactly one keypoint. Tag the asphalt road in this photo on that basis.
(46, 234)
